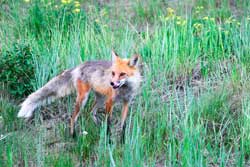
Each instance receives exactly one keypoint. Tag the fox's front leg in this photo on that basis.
(82, 96)
(109, 107)
(123, 119)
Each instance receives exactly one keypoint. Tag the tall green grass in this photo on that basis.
(192, 109)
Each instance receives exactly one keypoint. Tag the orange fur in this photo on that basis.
(82, 91)
(103, 90)
(122, 66)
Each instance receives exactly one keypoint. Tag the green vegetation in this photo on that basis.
(193, 107)
(17, 70)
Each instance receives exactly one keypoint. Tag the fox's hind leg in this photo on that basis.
(98, 104)
(123, 120)
(94, 113)
(82, 97)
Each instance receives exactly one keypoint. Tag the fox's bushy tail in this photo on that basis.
(59, 86)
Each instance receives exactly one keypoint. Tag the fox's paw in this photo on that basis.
(73, 132)
(97, 118)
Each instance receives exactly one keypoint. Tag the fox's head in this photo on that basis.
(124, 70)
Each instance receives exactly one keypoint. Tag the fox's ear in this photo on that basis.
(134, 60)
(114, 56)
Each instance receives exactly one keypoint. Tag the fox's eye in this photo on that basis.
(122, 74)
(113, 73)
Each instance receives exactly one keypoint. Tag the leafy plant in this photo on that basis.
(17, 70)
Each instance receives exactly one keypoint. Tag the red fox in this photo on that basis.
(111, 81)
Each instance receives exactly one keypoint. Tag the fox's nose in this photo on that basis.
(112, 83)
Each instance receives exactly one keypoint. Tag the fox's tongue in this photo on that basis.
(115, 86)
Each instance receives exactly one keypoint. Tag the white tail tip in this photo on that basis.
(26, 111)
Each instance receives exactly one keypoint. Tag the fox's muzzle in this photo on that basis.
(117, 84)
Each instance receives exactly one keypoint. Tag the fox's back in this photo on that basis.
(92, 70)
(90, 67)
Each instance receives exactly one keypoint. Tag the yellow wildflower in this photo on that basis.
(181, 22)
(199, 7)
(66, 1)
(27, 1)
(170, 11)
(97, 20)
(229, 20)
(205, 18)
(198, 26)
(170, 14)
(77, 5)
(178, 22)
(77, 10)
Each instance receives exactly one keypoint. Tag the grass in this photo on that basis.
(193, 106)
